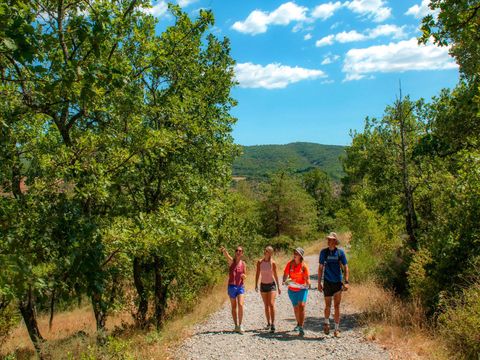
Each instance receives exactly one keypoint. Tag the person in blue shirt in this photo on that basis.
(331, 261)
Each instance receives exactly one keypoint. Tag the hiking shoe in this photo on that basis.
(296, 328)
(272, 329)
(326, 329)
(301, 332)
(240, 329)
(336, 333)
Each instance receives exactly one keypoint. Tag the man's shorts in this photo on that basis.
(331, 288)
(234, 291)
(297, 297)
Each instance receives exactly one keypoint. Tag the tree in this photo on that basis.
(318, 185)
(287, 208)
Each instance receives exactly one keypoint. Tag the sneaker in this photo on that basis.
(272, 329)
(336, 333)
(237, 329)
(326, 329)
(240, 329)
(296, 328)
(301, 332)
(267, 327)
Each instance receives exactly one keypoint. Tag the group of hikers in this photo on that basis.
(296, 276)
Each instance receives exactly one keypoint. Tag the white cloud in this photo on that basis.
(419, 11)
(307, 36)
(373, 9)
(350, 36)
(329, 59)
(326, 10)
(158, 9)
(273, 76)
(394, 31)
(401, 56)
(325, 41)
(184, 3)
(329, 81)
(258, 21)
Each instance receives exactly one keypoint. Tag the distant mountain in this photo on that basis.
(260, 160)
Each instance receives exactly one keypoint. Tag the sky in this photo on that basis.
(313, 70)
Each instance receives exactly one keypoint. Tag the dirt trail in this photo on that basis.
(214, 338)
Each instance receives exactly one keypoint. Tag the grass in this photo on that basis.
(73, 334)
(399, 326)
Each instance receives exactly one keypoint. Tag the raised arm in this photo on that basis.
(227, 255)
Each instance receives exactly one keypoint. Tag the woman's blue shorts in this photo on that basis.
(297, 297)
(234, 291)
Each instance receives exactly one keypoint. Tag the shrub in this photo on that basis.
(459, 324)
(8, 319)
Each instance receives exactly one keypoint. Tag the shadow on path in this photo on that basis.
(315, 324)
(287, 336)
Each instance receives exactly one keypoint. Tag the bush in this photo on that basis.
(459, 324)
(8, 319)
(373, 241)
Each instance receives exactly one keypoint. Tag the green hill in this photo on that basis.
(260, 160)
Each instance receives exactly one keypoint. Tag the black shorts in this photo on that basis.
(268, 287)
(330, 288)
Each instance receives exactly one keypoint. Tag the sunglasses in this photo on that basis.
(239, 250)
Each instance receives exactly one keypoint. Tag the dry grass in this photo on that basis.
(399, 326)
(73, 333)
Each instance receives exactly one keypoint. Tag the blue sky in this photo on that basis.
(313, 70)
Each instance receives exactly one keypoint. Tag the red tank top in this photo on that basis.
(235, 273)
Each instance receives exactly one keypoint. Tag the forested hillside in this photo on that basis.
(258, 161)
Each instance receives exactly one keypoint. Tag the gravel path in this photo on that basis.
(214, 339)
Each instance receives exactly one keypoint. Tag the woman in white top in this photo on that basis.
(267, 269)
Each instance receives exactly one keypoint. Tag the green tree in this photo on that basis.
(287, 208)
(319, 186)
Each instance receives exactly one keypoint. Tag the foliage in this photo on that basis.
(287, 209)
(460, 321)
(319, 186)
(257, 162)
(116, 155)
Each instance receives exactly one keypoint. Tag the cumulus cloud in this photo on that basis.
(325, 41)
(184, 3)
(419, 11)
(307, 36)
(394, 31)
(329, 59)
(373, 9)
(258, 21)
(273, 76)
(158, 9)
(326, 10)
(401, 56)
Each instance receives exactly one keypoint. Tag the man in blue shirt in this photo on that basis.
(330, 269)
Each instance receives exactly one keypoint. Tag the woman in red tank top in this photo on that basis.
(236, 290)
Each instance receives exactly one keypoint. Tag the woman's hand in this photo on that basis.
(320, 287)
(243, 276)
(279, 291)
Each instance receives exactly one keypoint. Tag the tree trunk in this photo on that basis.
(27, 309)
(141, 315)
(160, 293)
(100, 311)
(411, 223)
